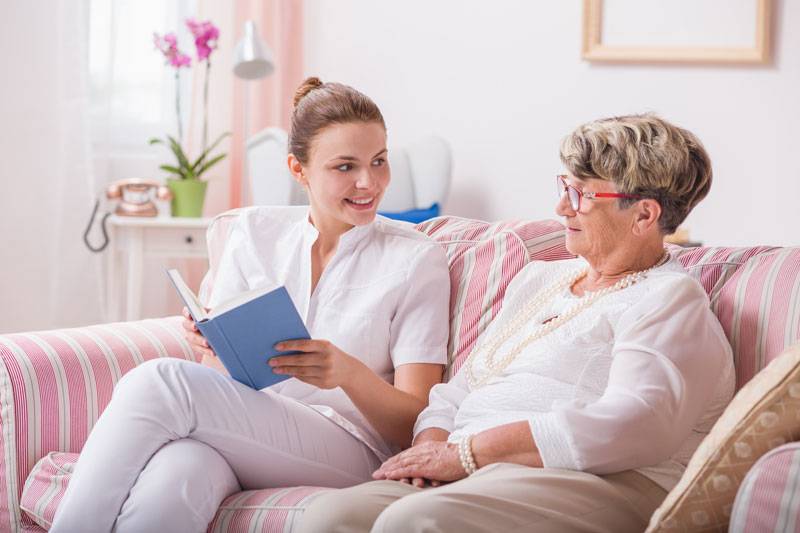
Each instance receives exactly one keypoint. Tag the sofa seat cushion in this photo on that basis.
(264, 511)
(253, 510)
(769, 497)
(762, 416)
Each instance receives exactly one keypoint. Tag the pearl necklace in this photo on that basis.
(534, 306)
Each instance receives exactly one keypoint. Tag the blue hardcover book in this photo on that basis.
(243, 330)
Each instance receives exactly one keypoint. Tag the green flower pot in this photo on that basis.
(187, 197)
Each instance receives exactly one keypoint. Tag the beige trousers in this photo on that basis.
(497, 498)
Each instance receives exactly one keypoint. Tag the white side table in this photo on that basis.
(140, 237)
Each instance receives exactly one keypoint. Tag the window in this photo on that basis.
(132, 92)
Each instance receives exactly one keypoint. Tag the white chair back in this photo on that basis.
(270, 181)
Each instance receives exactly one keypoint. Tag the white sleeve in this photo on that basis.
(420, 327)
(443, 403)
(669, 354)
(445, 398)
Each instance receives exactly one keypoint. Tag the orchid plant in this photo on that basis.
(205, 40)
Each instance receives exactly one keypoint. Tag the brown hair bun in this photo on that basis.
(331, 103)
(308, 85)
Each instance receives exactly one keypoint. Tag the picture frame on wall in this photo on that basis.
(677, 31)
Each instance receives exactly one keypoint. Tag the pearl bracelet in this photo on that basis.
(465, 454)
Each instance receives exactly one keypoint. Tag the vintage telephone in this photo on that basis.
(135, 200)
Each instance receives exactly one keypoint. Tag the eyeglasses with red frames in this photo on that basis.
(574, 194)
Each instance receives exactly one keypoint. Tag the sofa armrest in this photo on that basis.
(54, 385)
(768, 496)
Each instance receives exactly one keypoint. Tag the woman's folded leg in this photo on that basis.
(266, 439)
(179, 490)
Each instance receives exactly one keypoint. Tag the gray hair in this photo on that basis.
(642, 155)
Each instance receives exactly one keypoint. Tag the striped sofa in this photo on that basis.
(54, 384)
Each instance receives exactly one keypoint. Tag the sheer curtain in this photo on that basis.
(83, 90)
(47, 277)
(132, 92)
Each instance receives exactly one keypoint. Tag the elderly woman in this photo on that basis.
(585, 398)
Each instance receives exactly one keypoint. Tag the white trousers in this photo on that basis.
(178, 437)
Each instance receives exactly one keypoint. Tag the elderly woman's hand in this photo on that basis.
(432, 460)
(199, 344)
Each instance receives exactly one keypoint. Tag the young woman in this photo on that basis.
(178, 437)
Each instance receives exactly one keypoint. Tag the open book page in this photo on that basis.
(238, 300)
(187, 295)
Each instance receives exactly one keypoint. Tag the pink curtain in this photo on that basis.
(280, 23)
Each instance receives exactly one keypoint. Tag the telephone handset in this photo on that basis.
(135, 200)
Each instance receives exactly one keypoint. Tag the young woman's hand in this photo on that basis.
(199, 344)
(321, 363)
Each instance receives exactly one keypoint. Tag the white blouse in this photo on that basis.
(635, 381)
(382, 298)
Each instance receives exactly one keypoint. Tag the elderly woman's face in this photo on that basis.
(599, 226)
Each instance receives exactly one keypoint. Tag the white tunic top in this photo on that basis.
(635, 381)
(382, 298)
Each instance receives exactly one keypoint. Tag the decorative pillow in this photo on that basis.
(415, 216)
(762, 416)
(769, 498)
(483, 258)
(46, 485)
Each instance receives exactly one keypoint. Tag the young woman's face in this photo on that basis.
(347, 172)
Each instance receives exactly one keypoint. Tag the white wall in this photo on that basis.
(503, 81)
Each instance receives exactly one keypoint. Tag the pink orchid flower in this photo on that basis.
(168, 45)
(205, 37)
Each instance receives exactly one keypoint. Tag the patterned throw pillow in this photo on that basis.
(483, 258)
(763, 415)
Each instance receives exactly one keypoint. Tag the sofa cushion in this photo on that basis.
(483, 258)
(755, 294)
(46, 485)
(264, 510)
(769, 497)
(763, 415)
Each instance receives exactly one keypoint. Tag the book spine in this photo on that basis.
(224, 349)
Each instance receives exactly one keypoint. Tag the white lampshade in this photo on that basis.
(252, 59)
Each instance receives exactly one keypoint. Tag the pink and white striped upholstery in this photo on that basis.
(263, 511)
(755, 293)
(769, 497)
(483, 258)
(46, 485)
(53, 385)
